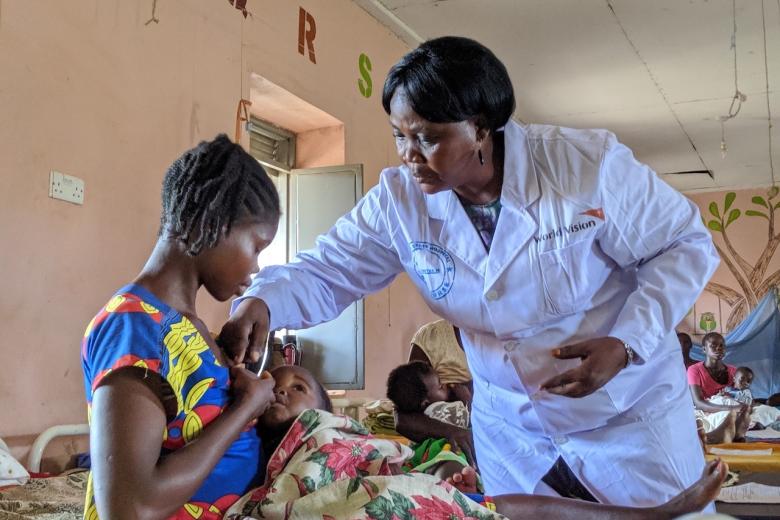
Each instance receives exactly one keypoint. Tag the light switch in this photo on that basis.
(66, 187)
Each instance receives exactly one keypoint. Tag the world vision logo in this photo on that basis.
(575, 227)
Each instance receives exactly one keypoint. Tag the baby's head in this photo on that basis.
(743, 378)
(414, 386)
(296, 390)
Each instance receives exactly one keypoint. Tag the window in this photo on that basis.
(312, 200)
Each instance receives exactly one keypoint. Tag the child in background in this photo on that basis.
(761, 416)
(740, 391)
(438, 344)
(415, 387)
(170, 420)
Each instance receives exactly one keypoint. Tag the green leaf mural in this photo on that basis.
(733, 215)
(715, 226)
(714, 209)
(753, 280)
(728, 201)
(760, 201)
(751, 213)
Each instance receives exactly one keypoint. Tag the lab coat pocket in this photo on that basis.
(565, 277)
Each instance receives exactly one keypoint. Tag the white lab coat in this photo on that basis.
(589, 243)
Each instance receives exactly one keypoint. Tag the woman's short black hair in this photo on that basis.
(209, 188)
(710, 336)
(406, 387)
(451, 79)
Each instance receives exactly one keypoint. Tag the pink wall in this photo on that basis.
(745, 243)
(86, 88)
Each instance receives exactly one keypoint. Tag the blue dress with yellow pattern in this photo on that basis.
(137, 329)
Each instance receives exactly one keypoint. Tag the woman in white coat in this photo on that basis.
(565, 263)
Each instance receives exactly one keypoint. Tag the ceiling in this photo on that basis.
(658, 73)
(284, 109)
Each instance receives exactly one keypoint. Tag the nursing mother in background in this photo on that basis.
(564, 262)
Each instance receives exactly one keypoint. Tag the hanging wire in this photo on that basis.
(768, 107)
(738, 98)
(154, 14)
(242, 111)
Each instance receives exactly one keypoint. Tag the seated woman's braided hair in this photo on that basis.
(209, 188)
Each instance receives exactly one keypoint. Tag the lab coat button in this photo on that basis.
(491, 295)
(561, 440)
(511, 346)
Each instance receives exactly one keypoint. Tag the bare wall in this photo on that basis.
(88, 89)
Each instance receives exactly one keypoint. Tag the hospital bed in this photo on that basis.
(61, 496)
(47, 496)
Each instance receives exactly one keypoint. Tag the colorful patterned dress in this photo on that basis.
(137, 329)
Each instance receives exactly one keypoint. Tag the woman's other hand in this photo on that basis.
(244, 335)
(257, 393)
(602, 359)
(461, 392)
(462, 439)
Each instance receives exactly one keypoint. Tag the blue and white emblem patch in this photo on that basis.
(435, 267)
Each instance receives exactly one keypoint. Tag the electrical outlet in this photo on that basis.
(66, 187)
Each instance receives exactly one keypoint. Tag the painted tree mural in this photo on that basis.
(751, 278)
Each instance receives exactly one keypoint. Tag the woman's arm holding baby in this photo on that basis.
(704, 405)
(418, 427)
(131, 480)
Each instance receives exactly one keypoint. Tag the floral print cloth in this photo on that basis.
(329, 467)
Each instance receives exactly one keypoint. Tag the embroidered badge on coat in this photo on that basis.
(435, 267)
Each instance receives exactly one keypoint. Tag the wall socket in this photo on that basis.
(66, 187)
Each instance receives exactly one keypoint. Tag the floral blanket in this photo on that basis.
(329, 467)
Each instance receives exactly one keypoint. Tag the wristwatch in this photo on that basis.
(629, 354)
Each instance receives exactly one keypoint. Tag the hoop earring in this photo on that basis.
(481, 159)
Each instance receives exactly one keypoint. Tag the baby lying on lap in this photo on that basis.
(761, 416)
(415, 387)
(328, 466)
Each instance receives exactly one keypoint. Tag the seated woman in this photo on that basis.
(327, 466)
(169, 420)
(721, 422)
(416, 388)
(438, 344)
(686, 343)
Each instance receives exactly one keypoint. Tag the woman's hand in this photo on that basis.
(602, 359)
(461, 392)
(243, 336)
(462, 439)
(256, 393)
